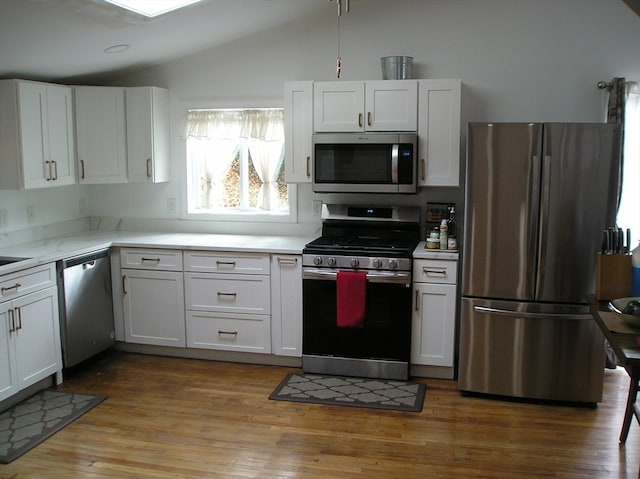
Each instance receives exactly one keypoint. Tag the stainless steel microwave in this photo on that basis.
(364, 162)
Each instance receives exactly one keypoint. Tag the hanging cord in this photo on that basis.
(338, 59)
(347, 9)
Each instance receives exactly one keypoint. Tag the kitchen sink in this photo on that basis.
(10, 259)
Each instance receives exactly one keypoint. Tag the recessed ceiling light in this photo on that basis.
(152, 8)
(122, 47)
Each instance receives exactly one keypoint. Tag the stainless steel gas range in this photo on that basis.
(357, 292)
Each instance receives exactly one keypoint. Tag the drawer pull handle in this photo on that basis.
(148, 167)
(435, 272)
(124, 284)
(55, 170)
(9, 288)
(82, 176)
(50, 177)
(226, 263)
(151, 260)
(230, 333)
(19, 316)
(308, 167)
(227, 294)
(290, 261)
(417, 300)
(12, 321)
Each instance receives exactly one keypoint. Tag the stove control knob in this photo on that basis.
(377, 263)
(317, 260)
(331, 261)
(354, 262)
(393, 264)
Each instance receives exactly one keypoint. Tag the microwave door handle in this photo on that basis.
(394, 163)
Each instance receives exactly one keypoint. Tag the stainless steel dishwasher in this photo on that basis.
(86, 306)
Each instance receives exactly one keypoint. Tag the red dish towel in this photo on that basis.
(351, 297)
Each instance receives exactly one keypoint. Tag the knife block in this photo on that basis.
(613, 277)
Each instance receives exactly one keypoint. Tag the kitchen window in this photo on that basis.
(235, 163)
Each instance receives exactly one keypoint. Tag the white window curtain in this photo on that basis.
(629, 210)
(221, 132)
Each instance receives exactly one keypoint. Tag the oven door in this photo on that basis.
(386, 334)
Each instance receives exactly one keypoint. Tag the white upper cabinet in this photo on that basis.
(147, 134)
(439, 132)
(298, 130)
(36, 135)
(384, 105)
(122, 134)
(101, 134)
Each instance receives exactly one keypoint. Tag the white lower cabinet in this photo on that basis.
(153, 298)
(286, 305)
(228, 301)
(434, 313)
(29, 340)
(248, 333)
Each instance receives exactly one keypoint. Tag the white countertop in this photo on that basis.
(54, 249)
(421, 252)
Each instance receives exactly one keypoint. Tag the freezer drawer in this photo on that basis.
(530, 350)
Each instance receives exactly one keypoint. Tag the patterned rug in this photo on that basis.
(27, 424)
(347, 391)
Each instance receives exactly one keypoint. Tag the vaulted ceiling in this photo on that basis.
(63, 40)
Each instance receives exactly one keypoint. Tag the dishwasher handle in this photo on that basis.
(84, 259)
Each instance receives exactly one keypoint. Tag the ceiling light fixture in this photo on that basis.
(152, 8)
(347, 10)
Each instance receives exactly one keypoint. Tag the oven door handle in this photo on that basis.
(372, 276)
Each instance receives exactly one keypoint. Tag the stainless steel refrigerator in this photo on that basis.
(537, 199)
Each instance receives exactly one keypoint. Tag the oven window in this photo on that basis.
(387, 324)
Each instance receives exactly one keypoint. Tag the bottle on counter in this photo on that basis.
(451, 221)
(444, 234)
(635, 271)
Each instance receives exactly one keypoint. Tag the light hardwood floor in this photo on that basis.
(182, 418)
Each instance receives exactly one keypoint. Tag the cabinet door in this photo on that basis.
(147, 134)
(32, 107)
(298, 130)
(62, 169)
(37, 336)
(338, 106)
(8, 383)
(433, 325)
(153, 307)
(439, 132)
(100, 134)
(286, 305)
(391, 105)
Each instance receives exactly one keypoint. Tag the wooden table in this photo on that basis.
(625, 343)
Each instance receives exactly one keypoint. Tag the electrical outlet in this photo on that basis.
(171, 206)
(31, 214)
(82, 206)
(4, 220)
(317, 207)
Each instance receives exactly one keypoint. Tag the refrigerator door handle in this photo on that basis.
(522, 314)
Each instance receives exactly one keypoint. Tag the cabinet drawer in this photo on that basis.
(159, 259)
(239, 263)
(231, 332)
(435, 271)
(236, 293)
(26, 281)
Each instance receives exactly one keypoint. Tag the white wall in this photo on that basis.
(524, 60)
